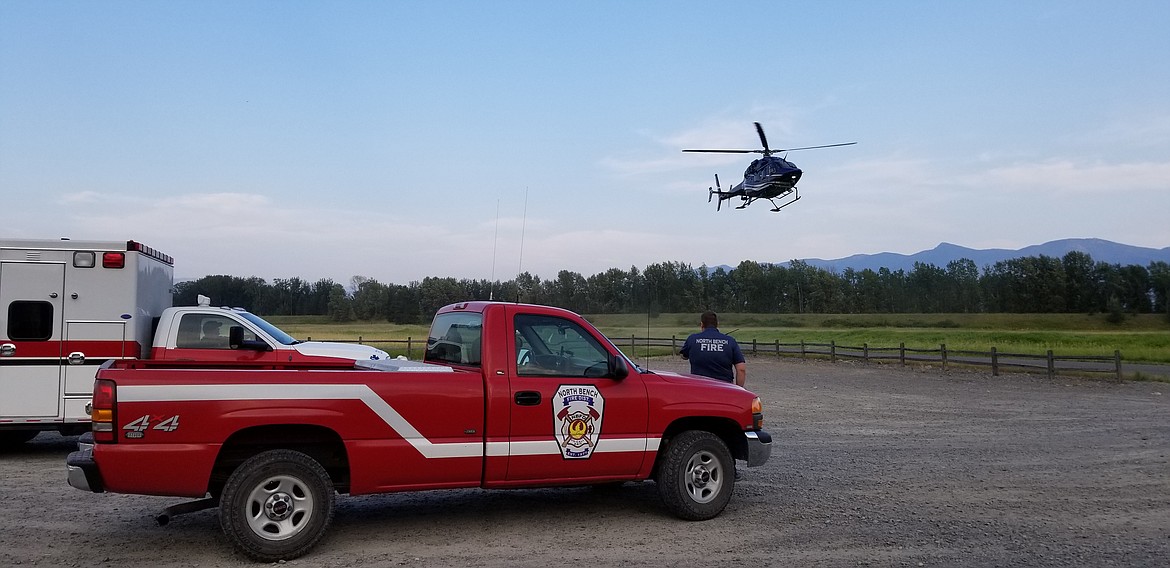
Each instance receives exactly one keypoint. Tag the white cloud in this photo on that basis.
(81, 197)
(1084, 176)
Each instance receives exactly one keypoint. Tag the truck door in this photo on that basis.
(30, 350)
(568, 421)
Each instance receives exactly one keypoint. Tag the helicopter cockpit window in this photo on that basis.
(456, 338)
(553, 346)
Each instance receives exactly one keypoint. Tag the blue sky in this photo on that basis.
(398, 140)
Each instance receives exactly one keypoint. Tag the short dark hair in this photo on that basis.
(709, 319)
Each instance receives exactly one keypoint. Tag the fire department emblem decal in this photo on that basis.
(577, 412)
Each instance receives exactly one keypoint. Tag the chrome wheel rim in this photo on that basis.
(279, 508)
(703, 477)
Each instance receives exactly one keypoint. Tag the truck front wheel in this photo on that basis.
(277, 505)
(696, 476)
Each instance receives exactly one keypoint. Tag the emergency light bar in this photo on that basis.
(139, 247)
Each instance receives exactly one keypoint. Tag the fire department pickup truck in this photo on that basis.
(508, 396)
(68, 306)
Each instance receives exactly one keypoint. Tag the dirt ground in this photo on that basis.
(871, 466)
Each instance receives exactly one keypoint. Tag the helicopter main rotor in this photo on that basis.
(766, 151)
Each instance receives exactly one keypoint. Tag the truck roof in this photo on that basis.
(479, 306)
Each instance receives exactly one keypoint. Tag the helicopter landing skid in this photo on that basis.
(786, 203)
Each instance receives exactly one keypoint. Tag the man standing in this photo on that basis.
(713, 354)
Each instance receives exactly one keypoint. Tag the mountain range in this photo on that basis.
(1099, 249)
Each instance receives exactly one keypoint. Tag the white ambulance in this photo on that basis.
(68, 306)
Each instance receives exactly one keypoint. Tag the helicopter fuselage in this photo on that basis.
(768, 177)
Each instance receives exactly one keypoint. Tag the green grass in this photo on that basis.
(1139, 338)
(321, 328)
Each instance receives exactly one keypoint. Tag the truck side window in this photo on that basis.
(214, 333)
(206, 331)
(188, 335)
(30, 320)
(557, 347)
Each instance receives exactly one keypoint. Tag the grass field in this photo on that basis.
(1144, 337)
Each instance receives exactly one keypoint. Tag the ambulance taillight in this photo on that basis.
(113, 260)
(105, 395)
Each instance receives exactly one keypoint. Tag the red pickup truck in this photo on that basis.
(508, 396)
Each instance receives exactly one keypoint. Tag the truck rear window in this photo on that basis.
(456, 338)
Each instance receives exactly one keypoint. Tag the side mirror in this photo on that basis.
(618, 369)
(236, 340)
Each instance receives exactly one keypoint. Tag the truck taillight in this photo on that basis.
(105, 395)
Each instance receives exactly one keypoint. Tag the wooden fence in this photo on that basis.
(1049, 362)
(996, 360)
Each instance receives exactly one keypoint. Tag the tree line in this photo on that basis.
(1073, 283)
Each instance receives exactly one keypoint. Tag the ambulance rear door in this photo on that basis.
(31, 295)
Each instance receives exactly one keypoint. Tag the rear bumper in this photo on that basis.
(759, 445)
(83, 471)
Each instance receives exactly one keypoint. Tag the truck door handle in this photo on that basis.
(528, 398)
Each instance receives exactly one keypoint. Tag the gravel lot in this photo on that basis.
(871, 466)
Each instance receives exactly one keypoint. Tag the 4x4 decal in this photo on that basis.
(137, 428)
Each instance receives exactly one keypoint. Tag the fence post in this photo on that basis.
(1117, 362)
(994, 362)
(409, 348)
(1051, 365)
(802, 349)
(865, 352)
(833, 351)
(673, 346)
(753, 346)
(777, 347)
(633, 346)
(359, 340)
(902, 353)
(943, 349)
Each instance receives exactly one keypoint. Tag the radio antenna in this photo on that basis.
(523, 225)
(495, 246)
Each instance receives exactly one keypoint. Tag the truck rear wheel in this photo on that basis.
(277, 505)
(696, 476)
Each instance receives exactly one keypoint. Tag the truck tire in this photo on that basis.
(696, 476)
(277, 505)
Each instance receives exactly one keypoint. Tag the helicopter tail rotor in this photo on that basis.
(717, 191)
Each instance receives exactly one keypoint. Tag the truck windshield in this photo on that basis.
(280, 336)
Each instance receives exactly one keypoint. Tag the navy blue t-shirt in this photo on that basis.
(712, 354)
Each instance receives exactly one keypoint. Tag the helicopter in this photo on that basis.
(770, 177)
